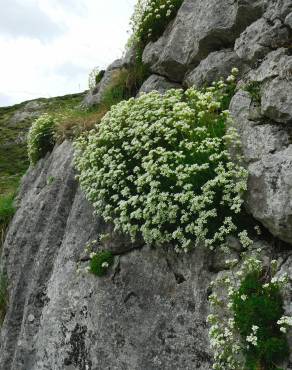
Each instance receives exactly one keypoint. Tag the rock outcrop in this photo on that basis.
(159, 83)
(94, 96)
(149, 312)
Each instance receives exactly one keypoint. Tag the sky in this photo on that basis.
(48, 47)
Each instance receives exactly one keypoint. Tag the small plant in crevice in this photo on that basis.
(100, 262)
(50, 180)
(159, 166)
(254, 90)
(248, 323)
(3, 297)
(41, 137)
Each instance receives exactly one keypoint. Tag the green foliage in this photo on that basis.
(6, 208)
(99, 76)
(7, 211)
(248, 325)
(261, 307)
(100, 262)
(50, 180)
(159, 166)
(150, 20)
(254, 89)
(125, 84)
(13, 151)
(3, 298)
(41, 137)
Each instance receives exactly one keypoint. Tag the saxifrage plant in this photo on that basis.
(159, 166)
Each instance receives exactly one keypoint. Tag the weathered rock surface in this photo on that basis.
(277, 100)
(199, 28)
(94, 97)
(260, 38)
(149, 312)
(217, 65)
(158, 83)
(270, 192)
(267, 152)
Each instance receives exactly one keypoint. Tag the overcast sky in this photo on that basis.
(48, 47)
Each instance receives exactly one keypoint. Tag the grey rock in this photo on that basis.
(276, 63)
(278, 9)
(267, 153)
(259, 39)
(31, 110)
(288, 20)
(217, 64)
(258, 138)
(129, 58)
(94, 97)
(199, 28)
(31, 318)
(277, 100)
(270, 191)
(148, 312)
(158, 83)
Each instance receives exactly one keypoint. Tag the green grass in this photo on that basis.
(72, 122)
(7, 211)
(3, 298)
(13, 147)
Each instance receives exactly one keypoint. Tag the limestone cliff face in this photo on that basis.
(149, 311)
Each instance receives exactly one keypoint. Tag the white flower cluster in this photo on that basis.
(41, 137)
(252, 338)
(159, 166)
(227, 345)
(285, 322)
(149, 16)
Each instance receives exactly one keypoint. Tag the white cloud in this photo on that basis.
(26, 18)
(93, 33)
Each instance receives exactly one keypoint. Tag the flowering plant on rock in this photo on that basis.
(150, 19)
(159, 166)
(41, 137)
(247, 324)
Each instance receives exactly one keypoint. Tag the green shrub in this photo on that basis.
(159, 166)
(248, 325)
(258, 313)
(41, 137)
(100, 262)
(3, 298)
(150, 20)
